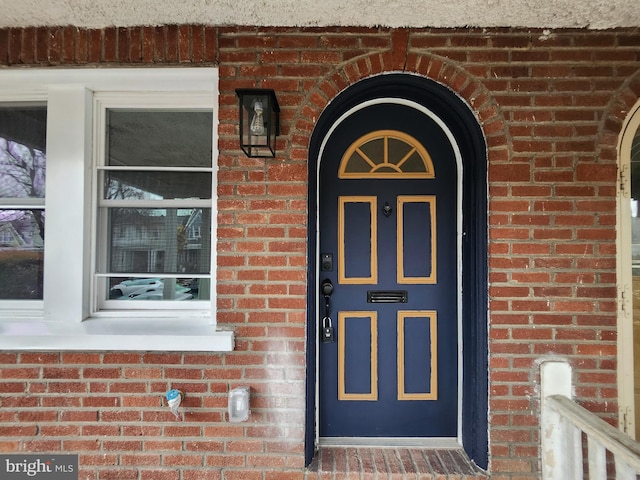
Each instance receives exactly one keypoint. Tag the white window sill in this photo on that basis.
(129, 334)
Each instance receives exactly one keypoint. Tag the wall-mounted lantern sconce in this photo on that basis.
(259, 121)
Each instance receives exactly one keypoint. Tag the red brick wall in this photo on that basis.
(551, 105)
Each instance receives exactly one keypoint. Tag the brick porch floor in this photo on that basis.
(356, 463)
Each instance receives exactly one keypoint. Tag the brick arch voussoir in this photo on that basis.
(448, 73)
(621, 103)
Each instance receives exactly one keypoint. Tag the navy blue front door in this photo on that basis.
(388, 205)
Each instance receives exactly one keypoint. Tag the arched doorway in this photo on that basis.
(628, 267)
(407, 112)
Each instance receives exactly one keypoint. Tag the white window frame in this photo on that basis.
(183, 101)
(66, 319)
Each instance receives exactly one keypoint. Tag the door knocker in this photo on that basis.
(387, 209)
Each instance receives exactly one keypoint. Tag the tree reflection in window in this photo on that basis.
(22, 190)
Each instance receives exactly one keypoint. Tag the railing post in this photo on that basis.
(557, 464)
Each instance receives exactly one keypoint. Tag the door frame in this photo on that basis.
(625, 348)
(462, 123)
(458, 157)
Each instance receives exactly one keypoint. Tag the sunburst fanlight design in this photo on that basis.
(386, 154)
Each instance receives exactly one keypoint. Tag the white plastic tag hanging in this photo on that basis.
(174, 398)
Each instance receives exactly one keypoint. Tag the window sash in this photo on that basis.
(31, 139)
(103, 103)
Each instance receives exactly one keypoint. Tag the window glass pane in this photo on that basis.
(158, 138)
(374, 150)
(21, 254)
(158, 288)
(22, 151)
(398, 149)
(22, 190)
(357, 164)
(157, 240)
(131, 185)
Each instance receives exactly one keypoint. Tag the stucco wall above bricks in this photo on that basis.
(304, 13)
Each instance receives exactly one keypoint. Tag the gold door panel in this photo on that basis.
(357, 222)
(418, 355)
(416, 253)
(357, 347)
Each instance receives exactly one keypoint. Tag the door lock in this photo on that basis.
(326, 262)
(327, 331)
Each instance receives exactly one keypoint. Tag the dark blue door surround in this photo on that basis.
(464, 127)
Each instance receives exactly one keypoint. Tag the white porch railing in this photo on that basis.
(564, 427)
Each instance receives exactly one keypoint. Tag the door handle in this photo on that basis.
(326, 289)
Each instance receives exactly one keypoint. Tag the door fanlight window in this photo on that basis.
(386, 154)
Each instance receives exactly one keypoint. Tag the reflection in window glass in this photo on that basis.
(156, 185)
(22, 190)
(155, 205)
(145, 240)
(159, 288)
(159, 138)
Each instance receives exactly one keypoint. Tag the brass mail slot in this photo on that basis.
(387, 296)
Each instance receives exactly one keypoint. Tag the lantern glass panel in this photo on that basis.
(259, 115)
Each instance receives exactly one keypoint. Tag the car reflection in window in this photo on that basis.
(146, 289)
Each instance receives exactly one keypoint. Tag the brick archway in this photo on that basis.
(615, 116)
(435, 68)
(313, 118)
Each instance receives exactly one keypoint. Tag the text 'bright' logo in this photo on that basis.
(30, 468)
(39, 467)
